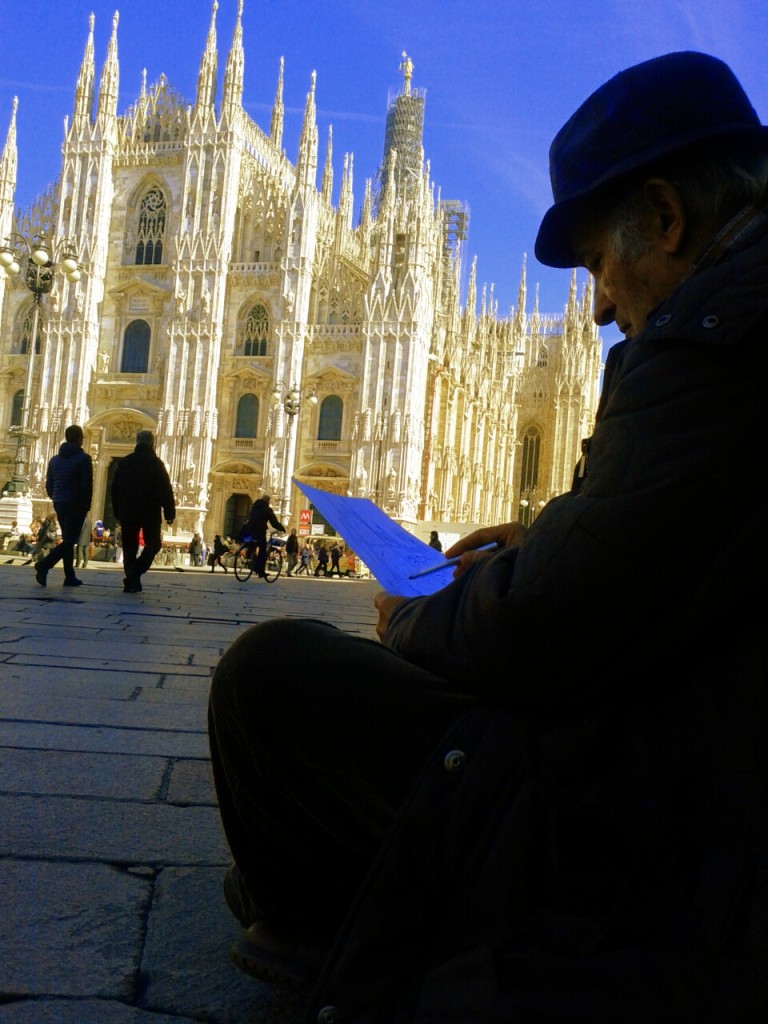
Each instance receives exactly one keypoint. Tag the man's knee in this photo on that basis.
(254, 665)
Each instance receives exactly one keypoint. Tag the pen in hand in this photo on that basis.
(448, 562)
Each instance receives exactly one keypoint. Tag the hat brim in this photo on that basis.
(553, 245)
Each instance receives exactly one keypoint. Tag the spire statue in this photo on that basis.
(406, 66)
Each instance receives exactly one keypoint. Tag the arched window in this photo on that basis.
(256, 332)
(26, 331)
(329, 426)
(16, 408)
(136, 347)
(149, 245)
(247, 416)
(529, 476)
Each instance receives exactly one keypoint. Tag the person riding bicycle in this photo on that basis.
(255, 529)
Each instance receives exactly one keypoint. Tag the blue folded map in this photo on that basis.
(390, 552)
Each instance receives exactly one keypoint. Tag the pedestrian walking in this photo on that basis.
(45, 538)
(322, 559)
(304, 557)
(196, 550)
(142, 497)
(69, 485)
(335, 560)
(292, 552)
(83, 546)
(219, 549)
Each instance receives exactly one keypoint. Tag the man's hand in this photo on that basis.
(385, 604)
(507, 535)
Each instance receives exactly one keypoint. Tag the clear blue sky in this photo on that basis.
(500, 78)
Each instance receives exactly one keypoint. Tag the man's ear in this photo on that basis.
(668, 214)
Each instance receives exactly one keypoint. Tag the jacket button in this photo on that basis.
(710, 321)
(454, 760)
(329, 1015)
(662, 321)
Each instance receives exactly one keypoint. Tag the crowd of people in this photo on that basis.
(311, 556)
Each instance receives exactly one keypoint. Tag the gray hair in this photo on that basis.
(713, 189)
(145, 437)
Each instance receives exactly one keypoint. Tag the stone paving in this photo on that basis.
(111, 849)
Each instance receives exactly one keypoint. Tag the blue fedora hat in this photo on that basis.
(645, 112)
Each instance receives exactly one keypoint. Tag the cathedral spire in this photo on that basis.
(206, 79)
(85, 80)
(278, 110)
(110, 77)
(306, 165)
(345, 198)
(8, 165)
(521, 295)
(472, 292)
(233, 74)
(572, 298)
(327, 187)
(9, 157)
(365, 217)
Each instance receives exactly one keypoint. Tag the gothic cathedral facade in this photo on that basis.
(227, 305)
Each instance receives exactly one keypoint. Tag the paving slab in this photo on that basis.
(111, 847)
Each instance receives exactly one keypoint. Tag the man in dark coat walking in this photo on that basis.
(69, 484)
(542, 796)
(142, 497)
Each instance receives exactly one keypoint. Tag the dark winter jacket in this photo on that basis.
(589, 845)
(141, 488)
(260, 515)
(69, 478)
(621, 551)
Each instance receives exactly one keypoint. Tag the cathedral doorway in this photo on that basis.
(236, 514)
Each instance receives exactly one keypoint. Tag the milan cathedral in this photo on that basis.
(226, 304)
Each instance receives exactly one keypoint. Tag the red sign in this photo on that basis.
(305, 517)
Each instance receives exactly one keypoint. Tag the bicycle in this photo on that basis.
(245, 555)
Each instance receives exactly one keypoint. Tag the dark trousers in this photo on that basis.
(136, 565)
(71, 518)
(260, 558)
(311, 767)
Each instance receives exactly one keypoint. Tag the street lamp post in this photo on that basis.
(530, 506)
(41, 258)
(291, 399)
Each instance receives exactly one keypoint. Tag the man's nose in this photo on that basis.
(604, 311)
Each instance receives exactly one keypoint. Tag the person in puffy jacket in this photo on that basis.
(69, 484)
(541, 797)
(142, 496)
